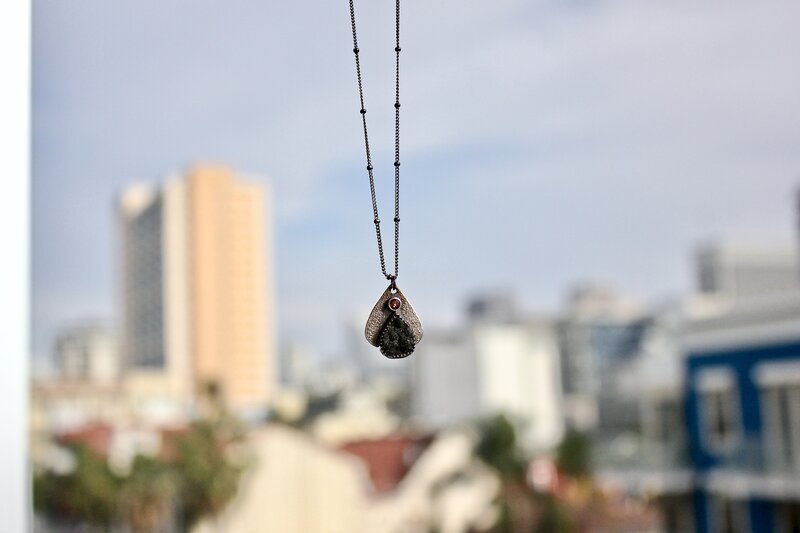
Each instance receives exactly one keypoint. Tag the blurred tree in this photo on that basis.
(573, 456)
(554, 517)
(147, 496)
(198, 478)
(497, 447)
(521, 508)
(207, 479)
(207, 474)
(87, 494)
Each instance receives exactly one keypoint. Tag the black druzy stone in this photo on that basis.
(396, 338)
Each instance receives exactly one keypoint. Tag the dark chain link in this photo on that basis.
(363, 112)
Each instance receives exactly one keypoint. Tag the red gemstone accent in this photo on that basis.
(394, 303)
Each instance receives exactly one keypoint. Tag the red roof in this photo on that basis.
(95, 436)
(388, 459)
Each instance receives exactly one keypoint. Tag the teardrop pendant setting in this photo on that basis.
(393, 326)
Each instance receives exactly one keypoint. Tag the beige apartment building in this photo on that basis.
(196, 289)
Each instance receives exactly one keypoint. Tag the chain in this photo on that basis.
(363, 111)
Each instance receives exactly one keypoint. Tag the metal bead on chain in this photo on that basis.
(363, 110)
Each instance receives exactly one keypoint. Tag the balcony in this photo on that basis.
(644, 466)
(754, 469)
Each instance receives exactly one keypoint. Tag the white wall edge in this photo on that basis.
(15, 59)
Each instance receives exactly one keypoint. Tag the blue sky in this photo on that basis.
(544, 142)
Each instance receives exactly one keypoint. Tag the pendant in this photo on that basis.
(393, 326)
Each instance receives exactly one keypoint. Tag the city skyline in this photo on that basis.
(600, 231)
(494, 147)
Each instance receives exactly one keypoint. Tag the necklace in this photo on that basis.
(392, 326)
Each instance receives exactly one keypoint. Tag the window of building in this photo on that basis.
(719, 409)
(781, 408)
(665, 430)
(728, 516)
(676, 514)
(787, 519)
(669, 419)
(719, 419)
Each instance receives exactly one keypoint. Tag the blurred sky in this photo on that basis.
(544, 142)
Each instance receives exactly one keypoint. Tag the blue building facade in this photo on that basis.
(742, 417)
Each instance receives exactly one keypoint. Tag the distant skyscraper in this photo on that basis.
(89, 354)
(195, 280)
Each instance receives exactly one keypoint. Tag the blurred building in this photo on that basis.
(650, 459)
(496, 363)
(599, 334)
(743, 417)
(637, 391)
(88, 353)
(741, 271)
(444, 389)
(720, 449)
(298, 367)
(85, 394)
(496, 307)
(360, 412)
(396, 484)
(719, 429)
(196, 288)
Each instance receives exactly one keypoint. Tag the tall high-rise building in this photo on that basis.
(196, 286)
